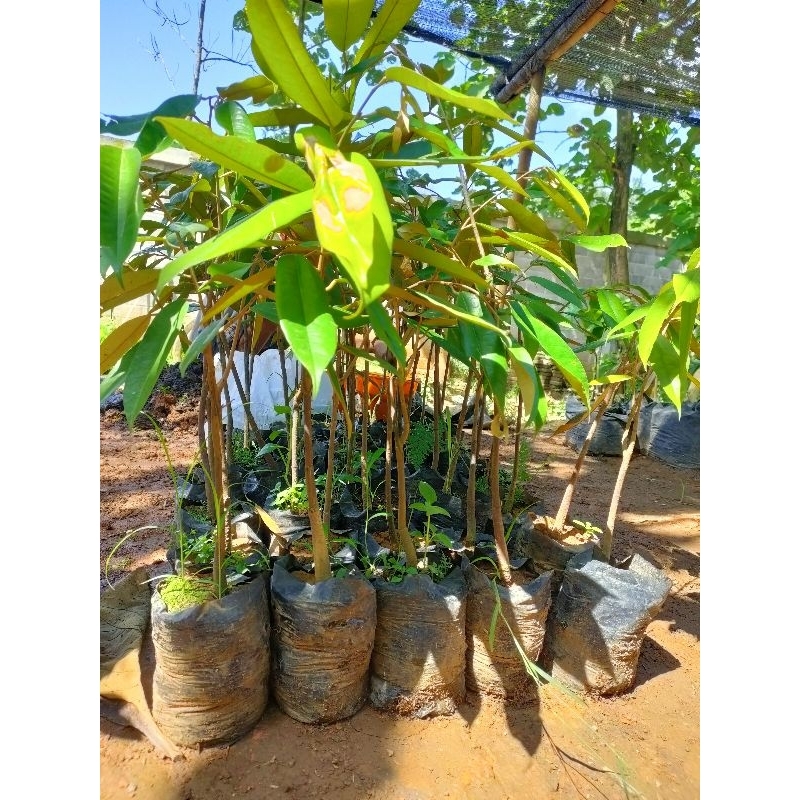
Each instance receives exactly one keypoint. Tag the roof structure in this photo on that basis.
(637, 54)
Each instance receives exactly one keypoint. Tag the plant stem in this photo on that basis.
(508, 503)
(216, 467)
(477, 419)
(326, 512)
(451, 467)
(437, 407)
(566, 500)
(628, 445)
(319, 541)
(497, 513)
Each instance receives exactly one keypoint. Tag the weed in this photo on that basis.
(184, 591)
(292, 498)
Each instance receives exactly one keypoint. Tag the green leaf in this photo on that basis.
(427, 491)
(382, 325)
(415, 80)
(343, 208)
(246, 157)
(653, 322)
(534, 399)
(245, 233)
(127, 285)
(233, 118)
(383, 231)
(149, 357)
(560, 201)
(495, 370)
(598, 244)
(116, 377)
(281, 117)
(390, 20)
(346, 20)
(569, 365)
(667, 366)
(686, 286)
(205, 337)
(685, 335)
(180, 106)
(279, 44)
(305, 316)
(439, 260)
(564, 292)
(502, 177)
(611, 305)
(526, 220)
(258, 88)
(121, 204)
(153, 137)
(572, 192)
(121, 340)
(526, 241)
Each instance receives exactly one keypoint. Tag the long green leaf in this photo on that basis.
(235, 120)
(121, 204)
(611, 305)
(572, 192)
(305, 316)
(383, 232)
(526, 241)
(686, 286)
(283, 51)
(205, 337)
(128, 285)
(502, 177)
(153, 137)
(598, 244)
(343, 215)
(415, 80)
(568, 364)
(534, 399)
(653, 322)
(258, 88)
(281, 117)
(382, 325)
(668, 367)
(150, 356)
(562, 202)
(246, 233)
(390, 20)
(442, 262)
(526, 220)
(121, 340)
(346, 20)
(249, 158)
(179, 106)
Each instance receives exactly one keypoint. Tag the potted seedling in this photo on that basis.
(603, 608)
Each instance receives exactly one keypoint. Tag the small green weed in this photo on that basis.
(184, 591)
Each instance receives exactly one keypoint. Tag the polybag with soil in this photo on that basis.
(597, 625)
(493, 665)
(211, 679)
(322, 642)
(418, 659)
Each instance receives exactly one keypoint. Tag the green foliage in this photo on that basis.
(245, 457)
(180, 592)
(107, 325)
(293, 498)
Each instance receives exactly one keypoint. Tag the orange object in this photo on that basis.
(378, 394)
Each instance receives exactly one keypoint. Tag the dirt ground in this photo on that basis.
(643, 743)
